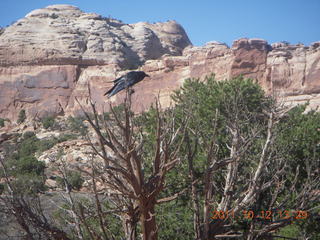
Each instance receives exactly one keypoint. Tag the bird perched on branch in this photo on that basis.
(126, 81)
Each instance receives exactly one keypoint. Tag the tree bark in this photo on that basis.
(196, 212)
(148, 223)
(129, 227)
(194, 195)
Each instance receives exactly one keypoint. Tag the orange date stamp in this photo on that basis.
(261, 215)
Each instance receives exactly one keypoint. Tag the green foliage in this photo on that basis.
(147, 122)
(302, 131)
(236, 96)
(221, 102)
(23, 165)
(29, 183)
(22, 116)
(27, 171)
(66, 137)
(212, 108)
(241, 103)
(298, 142)
(48, 122)
(175, 221)
(310, 227)
(28, 146)
(2, 122)
(46, 144)
(27, 164)
(2, 186)
(73, 179)
(289, 231)
(29, 134)
(76, 125)
(23, 161)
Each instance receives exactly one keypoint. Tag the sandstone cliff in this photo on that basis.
(48, 58)
(63, 34)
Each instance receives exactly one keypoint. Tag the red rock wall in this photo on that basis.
(40, 90)
(290, 72)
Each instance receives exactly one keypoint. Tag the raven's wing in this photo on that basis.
(120, 85)
(116, 83)
(127, 77)
(123, 82)
(120, 78)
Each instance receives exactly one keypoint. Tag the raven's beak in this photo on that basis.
(147, 75)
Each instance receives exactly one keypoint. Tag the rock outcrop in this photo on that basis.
(63, 34)
(51, 57)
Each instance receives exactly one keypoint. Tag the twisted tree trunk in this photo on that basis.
(148, 222)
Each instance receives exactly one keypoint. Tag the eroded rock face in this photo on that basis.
(43, 83)
(291, 73)
(250, 57)
(63, 34)
(40, 90)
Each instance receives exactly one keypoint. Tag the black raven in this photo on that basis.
(126, 81)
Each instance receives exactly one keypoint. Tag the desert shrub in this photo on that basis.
(29, 134)
(48, 122)
(76, 125)
(66, 137)
(46, 144)
(73, 180)
(2, 122)
(28, 174)
(29, 184)
(28, 145)
(1, 188)
(22, 163)
(22, 116)
(23, 166)
(26, 164)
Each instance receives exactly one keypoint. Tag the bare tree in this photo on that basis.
(122, 175)
(121, 179)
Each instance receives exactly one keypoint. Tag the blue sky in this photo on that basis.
(204, 20)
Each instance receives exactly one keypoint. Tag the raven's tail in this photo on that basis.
(108, 93)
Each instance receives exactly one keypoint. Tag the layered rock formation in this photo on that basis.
(51, 57)
(63, 34)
